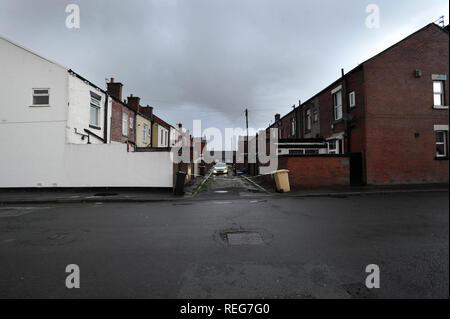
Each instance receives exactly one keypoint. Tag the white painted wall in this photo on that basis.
(79, 112)
(33, 142)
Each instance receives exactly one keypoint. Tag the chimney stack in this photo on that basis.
(134, 102)
(147, 111)
(115, 89)
(277, 117)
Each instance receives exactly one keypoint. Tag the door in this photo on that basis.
(356, 169)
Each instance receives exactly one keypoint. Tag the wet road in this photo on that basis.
(230, 247)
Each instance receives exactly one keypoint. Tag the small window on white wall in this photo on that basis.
(124, 124)
(41, 97)
(95, 110)
(352, 99)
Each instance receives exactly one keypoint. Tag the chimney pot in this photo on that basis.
(112, 80)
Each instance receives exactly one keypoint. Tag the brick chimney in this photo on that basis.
(147, 111)
(115, 89)
(277, 117)
(134, 102)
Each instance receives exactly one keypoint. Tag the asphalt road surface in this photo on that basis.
(235, 247)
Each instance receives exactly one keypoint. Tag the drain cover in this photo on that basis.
(244, 238)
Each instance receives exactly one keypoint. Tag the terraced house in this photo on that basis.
(390, 113)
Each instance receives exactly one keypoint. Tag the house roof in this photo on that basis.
(161, 122)
(32, 52)
(434, 25)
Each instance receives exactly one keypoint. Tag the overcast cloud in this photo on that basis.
(209, 59)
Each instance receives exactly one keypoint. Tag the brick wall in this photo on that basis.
(116, 123)
(316, 171)
(399, 110)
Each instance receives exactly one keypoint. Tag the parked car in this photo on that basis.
(220, 168)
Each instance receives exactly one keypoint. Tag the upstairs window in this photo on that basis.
(438, 93)
(337, 105)
(124, 124)
(293, 126)
(441, 144)
(95, 110)
(131, 123)
(308, 120)
(352, 99)
(316, 116)
(145, 133)
(41, 97)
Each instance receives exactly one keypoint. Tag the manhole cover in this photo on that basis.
(244, 238)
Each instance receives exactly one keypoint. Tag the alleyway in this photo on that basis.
(228, 187)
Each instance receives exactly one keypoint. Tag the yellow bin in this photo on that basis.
(282, 181)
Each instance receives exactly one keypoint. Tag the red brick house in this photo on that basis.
(123, 117)
(391, 112)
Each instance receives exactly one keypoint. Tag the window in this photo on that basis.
(308, 120)
(352, 99)
(145, 133)
(316, 116)
(131, 123)
(293, 126)
(441, 144)
(41, 97)
(124, 124)
(162, 137)
(167, 139)
(337, 104)
(333, 147)
(95, 110)
(438, 93)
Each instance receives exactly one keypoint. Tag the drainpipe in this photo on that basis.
(347, 110)
(105, 129)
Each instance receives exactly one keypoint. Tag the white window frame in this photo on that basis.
(293, 126)
(441, 94)
(316, 116)
(308, 120)
(352, 99)
(38, 95)
(334, 150)
(95, 104)
(131, 122)
(124, 124)
(145, 133)
(337, 108)
(444, 143)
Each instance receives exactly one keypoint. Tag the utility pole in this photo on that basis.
(246, 149)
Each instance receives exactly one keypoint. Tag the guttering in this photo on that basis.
(94, 135)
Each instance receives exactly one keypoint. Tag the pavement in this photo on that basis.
(210, 185)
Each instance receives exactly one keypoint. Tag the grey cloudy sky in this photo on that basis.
(209, 59)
